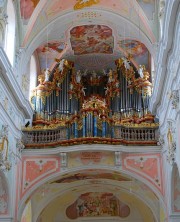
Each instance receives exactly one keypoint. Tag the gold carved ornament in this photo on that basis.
(85, 3)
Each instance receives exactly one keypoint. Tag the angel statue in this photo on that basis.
(126, 63)
(78, 76)
(46, 73)
(141, 71)
(61, 65)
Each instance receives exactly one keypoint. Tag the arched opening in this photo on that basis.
(123, 189)
(10, 32)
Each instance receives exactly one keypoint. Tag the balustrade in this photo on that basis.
(121, 135)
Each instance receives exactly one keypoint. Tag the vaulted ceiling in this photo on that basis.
(92, 33)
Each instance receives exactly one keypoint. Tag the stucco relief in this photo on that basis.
(9, 107)
(171, 141)
(76, 159)
(146, 165)
(36, 169)
(174, 97)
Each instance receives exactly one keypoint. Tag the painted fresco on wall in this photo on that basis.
(92, 39)
(96, 204)
(91, 174)
(48, 52)
(137, 50)
(176, 190)
(27, 8)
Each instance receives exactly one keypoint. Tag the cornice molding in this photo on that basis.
(94, 147)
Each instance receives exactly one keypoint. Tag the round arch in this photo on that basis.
(56, 176)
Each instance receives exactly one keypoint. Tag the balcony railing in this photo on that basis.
(125, 135)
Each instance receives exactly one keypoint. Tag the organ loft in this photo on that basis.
(92, 106)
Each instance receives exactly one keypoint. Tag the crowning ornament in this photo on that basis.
(85, 3)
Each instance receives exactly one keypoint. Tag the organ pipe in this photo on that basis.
(90, 105)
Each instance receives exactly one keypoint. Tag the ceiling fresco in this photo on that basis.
(97, 204)
(100, 202)
(137, 50)
(51, 10)
(27, 7)
(91, 174)
(48, 52)
(88, 39)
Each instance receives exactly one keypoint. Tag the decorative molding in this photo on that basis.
(4, 131)
(174, 98)
(5, 164)
(19, 146)
(161, 141)
(171, 143)
(118, 158)
(146, 165)
(36, 169)
(64, 159)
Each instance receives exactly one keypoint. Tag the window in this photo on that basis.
(10, 32)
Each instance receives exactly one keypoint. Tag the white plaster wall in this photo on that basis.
(168, 80)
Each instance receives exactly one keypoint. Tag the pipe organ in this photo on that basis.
(89, 106)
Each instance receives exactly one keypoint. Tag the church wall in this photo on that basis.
(165, 102)
(14, 110)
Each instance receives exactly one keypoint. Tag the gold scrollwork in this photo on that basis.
(85, 3)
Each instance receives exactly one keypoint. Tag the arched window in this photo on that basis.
(10, 32)
(33, 74)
